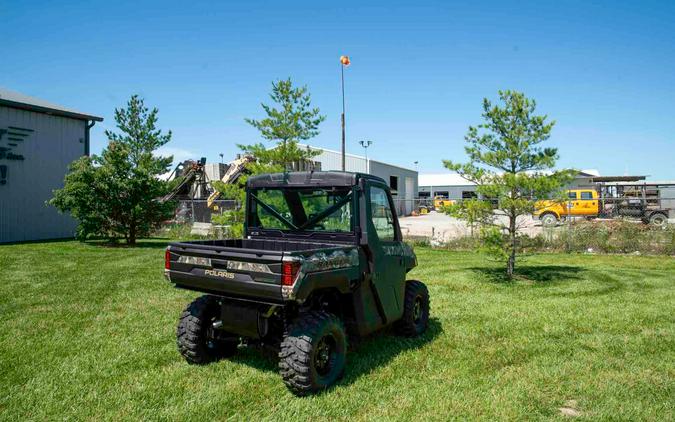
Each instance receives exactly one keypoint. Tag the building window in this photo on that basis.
(393, 184)
(443, 193)
(469, 194)
(424, 194)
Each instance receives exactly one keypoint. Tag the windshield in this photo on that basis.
(295, 209)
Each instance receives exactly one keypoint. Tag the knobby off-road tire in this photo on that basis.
(415, 318)
(313, 353)
(196, 337)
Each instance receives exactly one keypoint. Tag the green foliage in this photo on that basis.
(292, 120)
(509, 165)
(618, 236)
(232, 219)
(476, 212)
(113, 195)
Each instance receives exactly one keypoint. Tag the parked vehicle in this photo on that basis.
(628, 200)
(322, 260)
(441, 201)
(580, 202)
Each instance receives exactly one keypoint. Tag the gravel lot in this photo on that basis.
(442, 227)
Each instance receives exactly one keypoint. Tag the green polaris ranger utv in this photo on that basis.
(321, 261)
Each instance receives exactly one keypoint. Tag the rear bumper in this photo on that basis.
(240, 286)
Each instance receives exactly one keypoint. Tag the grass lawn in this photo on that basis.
(87, 332)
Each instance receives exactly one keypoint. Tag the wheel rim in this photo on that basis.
(417, 310)
(548, 220)
(658, 221)
(324, 357)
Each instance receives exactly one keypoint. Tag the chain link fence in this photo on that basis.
(198, 211)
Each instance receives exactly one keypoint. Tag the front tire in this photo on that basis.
(313, 353)
(549, 220)
(415, 318)
(198, 342)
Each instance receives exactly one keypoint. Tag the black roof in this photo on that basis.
(308, 179)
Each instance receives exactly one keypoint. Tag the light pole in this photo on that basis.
(221, 157)
(344, 62)
(416, 163)
(365, 145)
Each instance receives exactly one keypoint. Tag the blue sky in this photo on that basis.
(604, 71)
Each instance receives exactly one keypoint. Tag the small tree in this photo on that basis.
(509, 166)
(294, 120)
(113, 195)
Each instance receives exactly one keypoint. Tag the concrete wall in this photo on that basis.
(48, 150)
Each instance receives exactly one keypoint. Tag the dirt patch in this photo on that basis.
(570, 409)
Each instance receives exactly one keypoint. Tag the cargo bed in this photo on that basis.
(238, 268)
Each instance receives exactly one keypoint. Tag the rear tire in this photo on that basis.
(658, 219)
(415, 318)
(548, 219)
(197, 340)
(313, 353)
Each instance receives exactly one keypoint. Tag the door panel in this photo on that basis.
(389, 272)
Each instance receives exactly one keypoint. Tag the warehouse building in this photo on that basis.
(402, 181)
(455, 187)
(38, 140)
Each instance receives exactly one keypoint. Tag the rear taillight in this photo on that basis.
(289, 270)
(167, 260)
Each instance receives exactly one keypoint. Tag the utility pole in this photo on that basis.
(344, 62)
(365, 145)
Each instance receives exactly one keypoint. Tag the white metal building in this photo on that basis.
(453, 186)
(401, 180)
(38, 140)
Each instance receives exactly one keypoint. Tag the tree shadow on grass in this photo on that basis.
(154, 243)
(369, 354)
(535, 274)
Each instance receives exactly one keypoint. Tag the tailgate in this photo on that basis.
(232, 272)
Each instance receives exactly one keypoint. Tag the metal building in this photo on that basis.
(38, 140)
(455, 187)
(401, 180)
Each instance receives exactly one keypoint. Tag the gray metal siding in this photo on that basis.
(331, 160)
(54, 143)
(454, 192)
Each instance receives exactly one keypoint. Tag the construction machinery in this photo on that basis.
(234, 172)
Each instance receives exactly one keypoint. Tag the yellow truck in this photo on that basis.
(441, 201)
(581, 202)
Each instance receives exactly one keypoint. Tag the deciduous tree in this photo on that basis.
(112, 195)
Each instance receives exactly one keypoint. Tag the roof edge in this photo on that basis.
(48, 110)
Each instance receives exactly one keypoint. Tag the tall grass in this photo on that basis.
(619, 236)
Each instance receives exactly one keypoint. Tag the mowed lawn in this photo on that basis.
(87, 332)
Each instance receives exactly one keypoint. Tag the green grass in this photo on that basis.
(87, 332)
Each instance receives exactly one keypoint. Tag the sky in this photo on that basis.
(604, 71)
